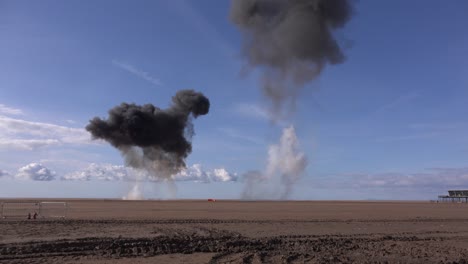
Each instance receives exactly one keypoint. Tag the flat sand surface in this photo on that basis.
(194, 231)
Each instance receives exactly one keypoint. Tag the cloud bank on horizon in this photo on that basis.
(257, 185)
(109, 172)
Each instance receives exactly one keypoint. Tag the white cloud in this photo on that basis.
(9, 110)
(26, 135)
(139, 73)
(35, 172)
(196, 173)
(222, 175)
(4, 174)
(192, 173)
(103, 172)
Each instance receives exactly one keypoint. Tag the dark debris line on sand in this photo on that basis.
(234, 248)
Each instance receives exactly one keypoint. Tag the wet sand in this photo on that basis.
(186, 231)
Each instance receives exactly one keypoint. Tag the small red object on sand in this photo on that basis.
(211, 200)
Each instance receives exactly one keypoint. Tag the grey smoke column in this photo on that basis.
(150, 138)
(290, 41)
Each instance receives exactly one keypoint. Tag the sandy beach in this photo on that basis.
(195, 231)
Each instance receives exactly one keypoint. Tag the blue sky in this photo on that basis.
(389, 123)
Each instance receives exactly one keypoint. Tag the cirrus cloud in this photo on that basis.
(27, 135)
(436, 178)
(10, 110)
(137, 72)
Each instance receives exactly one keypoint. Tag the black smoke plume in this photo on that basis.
(290, 41)
(150, 138)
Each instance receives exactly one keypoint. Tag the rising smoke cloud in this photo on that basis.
(152, 139)
(290, 42)
(286, 164)
(135, 193)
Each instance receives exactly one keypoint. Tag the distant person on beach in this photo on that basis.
(29, 216)
(35, 215)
